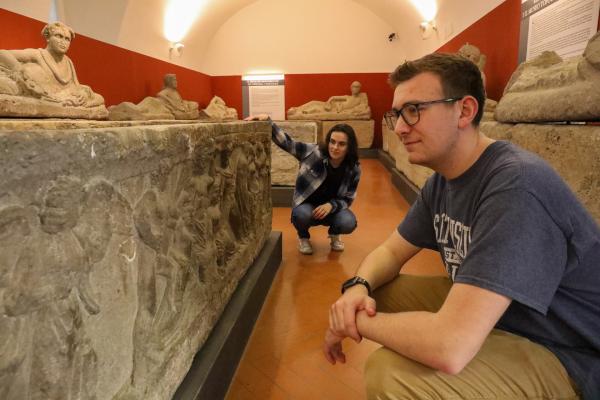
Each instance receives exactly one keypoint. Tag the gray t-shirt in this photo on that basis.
(511, 225)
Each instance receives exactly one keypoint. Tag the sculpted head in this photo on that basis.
(58, 37)
(471, 52)
(60, 205)
(170, 81)
(355, 87)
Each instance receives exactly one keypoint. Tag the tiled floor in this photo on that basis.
(283, 357)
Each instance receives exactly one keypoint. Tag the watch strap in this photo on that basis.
(356, 280)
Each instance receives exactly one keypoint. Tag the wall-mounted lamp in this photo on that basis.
(427, 28)
(175, 48)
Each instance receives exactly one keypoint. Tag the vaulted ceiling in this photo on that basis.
(138, 25)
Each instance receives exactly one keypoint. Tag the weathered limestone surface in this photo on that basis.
(217, 110)
(365, 131)
(43, 82)
(572, 150)
(353, 106)
(120, 247)
(284, 167)
(548, 88)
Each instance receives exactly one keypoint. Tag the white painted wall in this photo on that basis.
(291, 36)
(36, 9)
(308, 36)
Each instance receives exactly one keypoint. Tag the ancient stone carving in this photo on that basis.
(474, 54)
(168, 104)
(548, 88)
(354, 106)
(48, 292)
(43, 82)
(218, 110)
(117, 262)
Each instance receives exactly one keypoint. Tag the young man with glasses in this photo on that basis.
(519, 315)
(326, 183)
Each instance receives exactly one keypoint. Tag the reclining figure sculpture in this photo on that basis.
(43, 82)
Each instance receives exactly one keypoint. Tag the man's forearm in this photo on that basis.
(379, 267)
(446, 340)
(384, 263)
(416, 335)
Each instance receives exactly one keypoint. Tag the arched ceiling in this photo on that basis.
(137, 25)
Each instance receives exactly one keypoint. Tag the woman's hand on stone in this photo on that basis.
(257, 117)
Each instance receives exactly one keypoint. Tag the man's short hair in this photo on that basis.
(50, 28)
(459, 76)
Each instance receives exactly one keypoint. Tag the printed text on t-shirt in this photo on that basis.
(454, 238)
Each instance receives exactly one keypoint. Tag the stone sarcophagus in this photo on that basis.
(120, 245)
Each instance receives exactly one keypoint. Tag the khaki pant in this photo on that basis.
(506, 367)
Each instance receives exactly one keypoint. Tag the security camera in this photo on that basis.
(392, 36)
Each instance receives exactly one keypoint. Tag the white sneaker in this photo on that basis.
(336, 243)
(304, 246)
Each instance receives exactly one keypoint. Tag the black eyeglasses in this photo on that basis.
(410, 112)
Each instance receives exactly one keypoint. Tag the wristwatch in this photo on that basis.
(357, 280)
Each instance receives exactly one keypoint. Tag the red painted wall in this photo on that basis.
(497, 36)
(229, 88)
(116, 73)
(302, 88)
(123, 75)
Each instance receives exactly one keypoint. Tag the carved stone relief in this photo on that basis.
(116, 266)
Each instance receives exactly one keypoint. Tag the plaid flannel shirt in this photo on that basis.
(313, 171)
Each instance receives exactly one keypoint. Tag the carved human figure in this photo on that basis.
(225, 237)
(217, 109)
(168, 104)
(548, 88)
(354, 106)
(168, 279)
(46, 74)
(180, 108)
(474, 54)
(48, 291)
